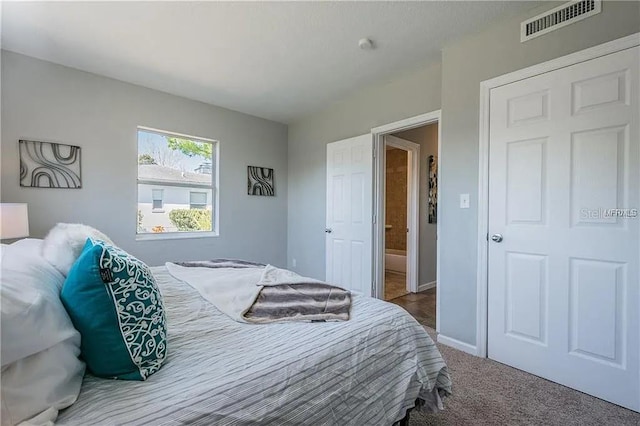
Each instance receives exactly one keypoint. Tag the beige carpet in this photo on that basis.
(486, 392)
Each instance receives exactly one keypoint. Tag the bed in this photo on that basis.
(369, 370)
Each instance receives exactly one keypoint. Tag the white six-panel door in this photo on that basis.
(564, 282)
(349, 228)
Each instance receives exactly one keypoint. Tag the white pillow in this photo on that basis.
(33, 317)
(35, 388)
(64, 243)
(41, 371)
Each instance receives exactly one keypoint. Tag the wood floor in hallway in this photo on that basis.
(422, 306)
(395, 285)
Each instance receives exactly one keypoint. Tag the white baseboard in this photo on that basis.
(457, 344)
(426, 286)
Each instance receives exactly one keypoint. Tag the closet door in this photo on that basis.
(564, 249)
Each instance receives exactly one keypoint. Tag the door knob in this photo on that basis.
(496, 237)
(328, 230)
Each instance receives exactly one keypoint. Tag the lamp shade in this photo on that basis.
(14, 220)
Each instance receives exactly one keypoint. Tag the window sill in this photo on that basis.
(175, 235)
(157, 211)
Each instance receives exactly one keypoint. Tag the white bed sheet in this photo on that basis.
(366, 371)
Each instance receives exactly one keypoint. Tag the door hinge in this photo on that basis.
(374, 152)
(375, 219)
(487, 236)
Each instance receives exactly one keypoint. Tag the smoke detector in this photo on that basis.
(366, 44)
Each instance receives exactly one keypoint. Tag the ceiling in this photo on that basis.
(274, 60)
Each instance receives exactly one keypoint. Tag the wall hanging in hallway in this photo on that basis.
(433, 189)
(261, 181)
(49, 165)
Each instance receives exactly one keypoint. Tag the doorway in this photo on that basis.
(398, 204)
(405, 241)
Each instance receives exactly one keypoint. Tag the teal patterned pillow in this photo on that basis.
(115, 304)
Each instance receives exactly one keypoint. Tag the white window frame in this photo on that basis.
(215, 197)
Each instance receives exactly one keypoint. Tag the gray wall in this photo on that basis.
(427, 138)
(465, 64)
(406, 96)
(47, 102)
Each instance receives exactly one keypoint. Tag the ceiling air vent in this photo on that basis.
(559, 17)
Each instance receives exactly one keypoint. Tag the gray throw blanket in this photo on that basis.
(300, 302)
(221, 263)
(286, 296)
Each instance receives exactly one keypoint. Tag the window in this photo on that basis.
(198, 200)
(177, 185)
(156, 198)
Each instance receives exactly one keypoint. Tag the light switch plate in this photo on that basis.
(464, 201)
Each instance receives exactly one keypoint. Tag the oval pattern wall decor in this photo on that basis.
(49, 165)
(261, 181)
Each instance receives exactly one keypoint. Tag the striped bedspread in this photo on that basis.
(366, 371)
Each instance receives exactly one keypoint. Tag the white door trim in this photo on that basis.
(408, 123)
(483, 172)
(413, 194)
(378, 134)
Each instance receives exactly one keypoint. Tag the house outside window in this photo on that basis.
(177, 185)
(198, 200)
(156, 197)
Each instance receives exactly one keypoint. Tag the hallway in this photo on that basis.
(422, 306)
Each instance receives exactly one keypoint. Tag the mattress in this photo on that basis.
(365, 371)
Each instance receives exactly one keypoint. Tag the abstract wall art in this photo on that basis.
(49, 165)
(261, 181)
(433, 189)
